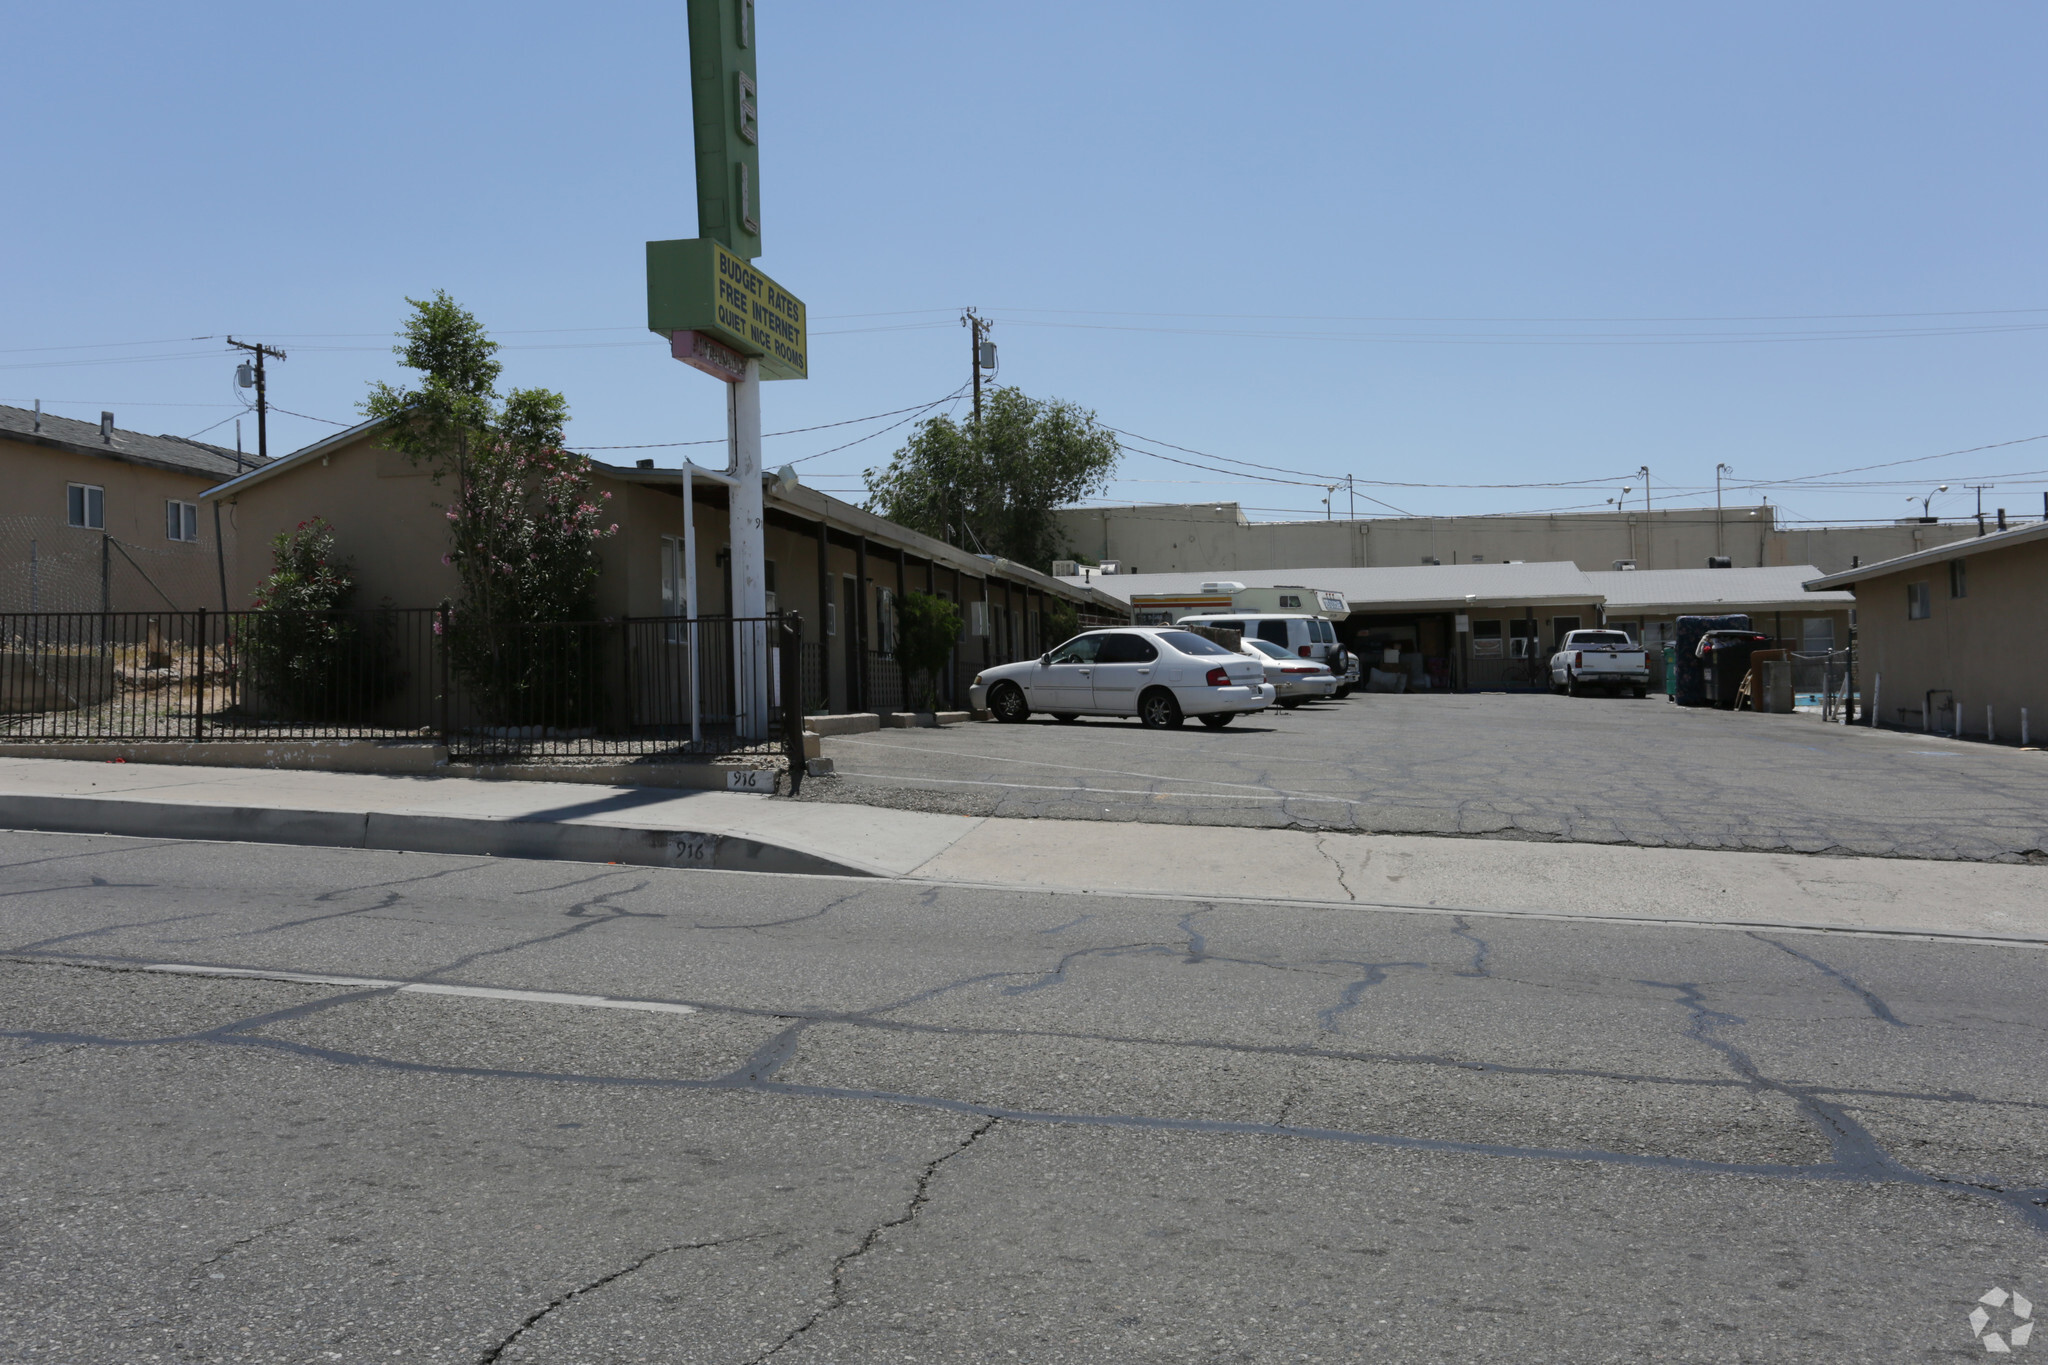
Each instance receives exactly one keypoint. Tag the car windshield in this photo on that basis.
(1187, 642)
(1267, 647)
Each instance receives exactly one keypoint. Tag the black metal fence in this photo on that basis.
(542, 691)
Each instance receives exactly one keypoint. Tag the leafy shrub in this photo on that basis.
(927, 627)
(304, 654)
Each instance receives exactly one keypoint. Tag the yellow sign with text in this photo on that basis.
(698, 285)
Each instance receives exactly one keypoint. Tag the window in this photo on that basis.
(1958, 578)
(1486, 639)
(1276, 631)
(181, 520)
(1187, 642)
(1522, 639)
(1079, 650)
(977, 617)
(1126, 649)
(1323, 631)
(1817, 635)
(1918, 607)
(86, 504)
(1561, 626)
(768, 582)
(885, 621)
(1289, 602)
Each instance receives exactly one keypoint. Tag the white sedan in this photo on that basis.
(1295, 680)
(1160, 675)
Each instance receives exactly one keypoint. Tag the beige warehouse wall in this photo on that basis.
(53, 566)
(1215, 538)
(1989, 647)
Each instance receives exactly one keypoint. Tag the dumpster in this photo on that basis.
(1688, 686)
(1724, 663)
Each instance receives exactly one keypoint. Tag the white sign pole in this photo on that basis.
(690, 599)
(749, 558)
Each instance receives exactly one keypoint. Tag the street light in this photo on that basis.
(1928, 499)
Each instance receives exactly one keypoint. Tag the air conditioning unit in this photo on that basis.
(1227, 586)
(1621, 564)
(1109, 566)
(1065, 568)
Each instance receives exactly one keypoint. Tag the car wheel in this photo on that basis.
(1216, 720)
(1157, 710)
(1008, 703)
(1572, 688)
(1639, 693)
(1342, 692)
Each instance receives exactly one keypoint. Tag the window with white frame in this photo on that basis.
(1918, 605)
(86, 505)
(181, 520)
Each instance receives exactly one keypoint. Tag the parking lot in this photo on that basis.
(1530, 766)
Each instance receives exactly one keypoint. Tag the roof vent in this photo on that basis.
(1225, 586)
(39, 416)
(107, 427)
(1720, 562)
(643, 464)
(1622, 565)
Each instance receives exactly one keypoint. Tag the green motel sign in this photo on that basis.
(707, 286)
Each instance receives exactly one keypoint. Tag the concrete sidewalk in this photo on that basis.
(736, 832)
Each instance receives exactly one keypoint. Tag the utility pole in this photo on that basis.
(246, 375)
(982, 354)
(1978, 489)
(1351, 490)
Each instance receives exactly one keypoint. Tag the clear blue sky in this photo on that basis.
(1432, 244)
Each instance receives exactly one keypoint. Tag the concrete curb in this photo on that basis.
(421, 759)
(413, 834)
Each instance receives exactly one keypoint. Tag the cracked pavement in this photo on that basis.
(934, 1123)
(1580, 769)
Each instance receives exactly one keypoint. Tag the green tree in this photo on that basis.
(523, 521)
(927, 628)
(992, 486)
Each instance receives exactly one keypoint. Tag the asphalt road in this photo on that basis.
(904, 1123)
(1592, 769)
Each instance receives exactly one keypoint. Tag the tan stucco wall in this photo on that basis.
(387, 517)
(66, 572)
(1988, 648)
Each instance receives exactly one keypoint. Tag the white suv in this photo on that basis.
(1307, 637)
(1158, 674)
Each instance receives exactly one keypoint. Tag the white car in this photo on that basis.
(1158, 674)
(1294, 679)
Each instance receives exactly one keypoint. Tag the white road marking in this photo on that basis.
(603, 1002)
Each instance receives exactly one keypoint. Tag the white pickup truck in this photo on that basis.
(1608, 659)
